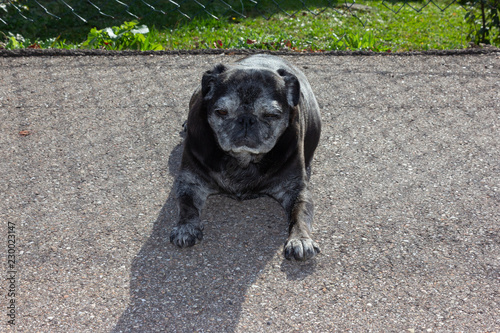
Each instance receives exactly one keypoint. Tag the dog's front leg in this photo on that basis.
(191, 195)
(300, 212)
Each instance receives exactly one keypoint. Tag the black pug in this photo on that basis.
(252, 130)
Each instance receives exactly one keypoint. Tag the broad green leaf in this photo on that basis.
(110, 33)
(143, 29)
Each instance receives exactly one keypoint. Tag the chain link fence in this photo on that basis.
(19, 16)
(87, 11)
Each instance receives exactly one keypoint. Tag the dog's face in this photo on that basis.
(249, 109)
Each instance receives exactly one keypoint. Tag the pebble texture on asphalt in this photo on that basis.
(405, 180)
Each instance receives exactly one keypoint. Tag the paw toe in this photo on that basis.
(301, 249)
(186, 235)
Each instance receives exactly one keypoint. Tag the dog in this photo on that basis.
(252, 130)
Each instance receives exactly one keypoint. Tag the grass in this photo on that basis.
(370, 25)
(377, 29)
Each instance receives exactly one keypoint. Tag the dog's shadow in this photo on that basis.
(203, 288)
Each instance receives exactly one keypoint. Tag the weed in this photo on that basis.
(483, 17)
(127, 36)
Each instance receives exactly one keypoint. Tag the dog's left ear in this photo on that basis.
(209, 79)
(292, 87)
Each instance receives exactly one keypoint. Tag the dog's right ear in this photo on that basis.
(209, 80)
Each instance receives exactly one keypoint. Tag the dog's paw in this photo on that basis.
(186, 235)
(300, 249)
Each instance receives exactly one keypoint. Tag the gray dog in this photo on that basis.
(252, 130)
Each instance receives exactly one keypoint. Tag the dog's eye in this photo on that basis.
(271, 116)
(221, 112)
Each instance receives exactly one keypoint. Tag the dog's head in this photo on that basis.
(249, 109)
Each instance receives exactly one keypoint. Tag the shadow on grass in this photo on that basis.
(73, 19)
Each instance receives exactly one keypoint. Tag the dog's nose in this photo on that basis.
(246, 122)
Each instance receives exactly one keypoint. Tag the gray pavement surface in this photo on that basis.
(405, 180)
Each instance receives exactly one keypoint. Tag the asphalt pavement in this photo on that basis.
(405, 181)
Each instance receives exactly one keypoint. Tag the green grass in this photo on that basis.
(375, 27)
(378, 29)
